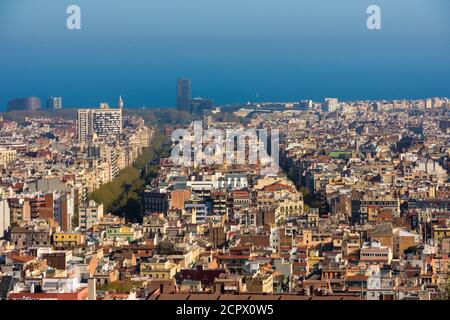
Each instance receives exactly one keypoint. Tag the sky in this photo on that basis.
(232, 50)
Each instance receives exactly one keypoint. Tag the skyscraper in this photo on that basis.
(54, 103)
(184, 95)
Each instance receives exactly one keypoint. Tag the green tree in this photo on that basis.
(166, 248)
(123, 196)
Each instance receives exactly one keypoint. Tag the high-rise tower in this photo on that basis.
(184, 95)
(84, 125)
(104, 123)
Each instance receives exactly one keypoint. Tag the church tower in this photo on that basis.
(120, 103)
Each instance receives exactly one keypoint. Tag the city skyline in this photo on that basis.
(305, 156)
(44, 102)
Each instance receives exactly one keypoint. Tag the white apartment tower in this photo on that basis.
(331, 104)
(103, 123)
(4, 217)
(84, 132)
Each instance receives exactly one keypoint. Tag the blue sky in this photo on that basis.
(283, 49)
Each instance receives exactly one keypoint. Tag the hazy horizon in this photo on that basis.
(282, 50)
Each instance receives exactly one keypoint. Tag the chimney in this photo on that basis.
(92, 289)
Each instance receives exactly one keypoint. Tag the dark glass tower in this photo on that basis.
(184, 95)
(24, 104)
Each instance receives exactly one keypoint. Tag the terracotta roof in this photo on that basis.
(232, 257)
(21, 259)
(356, 278)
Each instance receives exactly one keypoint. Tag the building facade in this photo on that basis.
(54, 103)
(103, 123)
(184, 97)
(24, 104)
